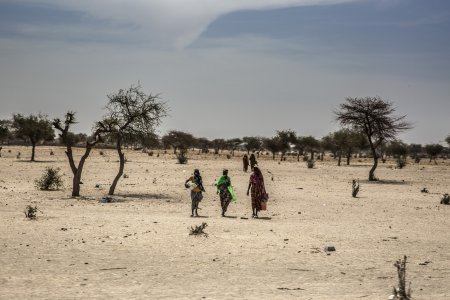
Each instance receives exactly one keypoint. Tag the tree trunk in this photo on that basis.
(121, 167)
(339, 159)
(273, 155)
(349, 155)
(375, 164)
(33, 148)
(312, 155)
(77, 175)
(298, 156)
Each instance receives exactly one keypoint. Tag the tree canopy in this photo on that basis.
(375, 118)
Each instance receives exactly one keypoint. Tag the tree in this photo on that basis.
(414, 150)
(69, 140)
(252, 143)
(218, 144)
(447, 139)
(309, 144)
(232, 144)
(433, 150)
(33, 129)
(178, 140)
(202, 144)
(374, 117)
(130, 112)
(273, 145)
(397, 149)
(5, 132)
(285, 139)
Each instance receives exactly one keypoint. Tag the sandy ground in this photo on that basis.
(140, 248)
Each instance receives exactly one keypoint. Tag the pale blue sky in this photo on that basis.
(230, 68)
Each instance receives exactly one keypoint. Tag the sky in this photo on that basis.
(229, 68)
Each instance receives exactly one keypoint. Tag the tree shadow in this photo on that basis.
(384, 181)
(144, 196)
(263, 218)
(230, 217)
(38, 161)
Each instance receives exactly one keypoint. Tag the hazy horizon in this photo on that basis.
(230, 68)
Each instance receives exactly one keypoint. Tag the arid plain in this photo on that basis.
(139, 247)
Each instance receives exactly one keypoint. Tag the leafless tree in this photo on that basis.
(68, 140)
(131, 112)
(373, 116)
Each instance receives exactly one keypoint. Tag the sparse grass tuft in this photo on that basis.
(198, 230)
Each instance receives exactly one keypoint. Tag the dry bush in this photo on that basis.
(50, 180)
(198, 230)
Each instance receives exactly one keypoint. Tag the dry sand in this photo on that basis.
(140, 248)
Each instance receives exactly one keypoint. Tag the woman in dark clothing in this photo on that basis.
(245, 162)
(252, 161)
(197, 188)
(259, 195)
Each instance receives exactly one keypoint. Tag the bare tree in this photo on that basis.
(131, 112)
(69, 140)
(34, 129)
(373, 116)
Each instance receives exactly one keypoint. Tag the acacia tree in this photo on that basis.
(69, 140)
(33, 129)
(5, 132)
(273, 145)
(285, 139)
(130, 112)
(252, 143)
(202, 144)
(178, 140)
(447, 139)
(414, 150)
(232, 144)
(374, 117)
(218, 144)
(309, 143)
(433, 150)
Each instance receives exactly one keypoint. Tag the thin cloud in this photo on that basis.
(173, 23)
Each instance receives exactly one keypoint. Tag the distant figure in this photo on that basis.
(197, 188)
(225, 191)
(252, 161)
(259, 195)
(245, 162)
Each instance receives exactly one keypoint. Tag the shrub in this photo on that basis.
(310, 163)
(52, 153)
(182, 157)
(30, 212)
(150, 153)
(198, 230)
(228, 156)
(401, 162)
(305, 158)
(101, 153)
(18, 155)
(417, 160)
(50, 180)
(445, 199)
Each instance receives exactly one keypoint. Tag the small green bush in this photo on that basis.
(50, 180)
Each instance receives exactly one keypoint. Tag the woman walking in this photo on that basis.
(225, 191)
(258, 192)
(197, 188)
